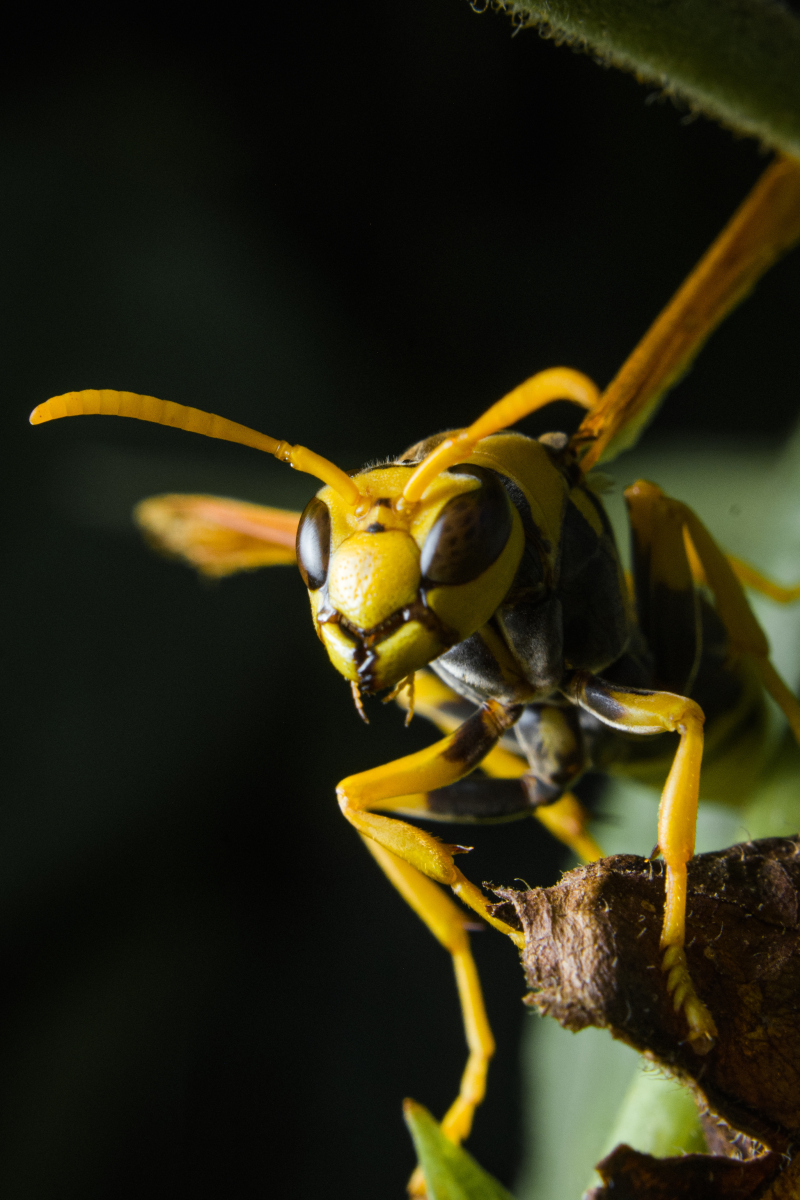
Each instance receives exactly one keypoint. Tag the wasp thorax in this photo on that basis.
(372, 575)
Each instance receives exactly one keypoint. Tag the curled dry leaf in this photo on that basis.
(629, 1175)
(592, 958)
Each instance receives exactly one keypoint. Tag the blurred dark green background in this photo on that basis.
(349, 226)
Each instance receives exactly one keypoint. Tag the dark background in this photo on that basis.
(349, 226)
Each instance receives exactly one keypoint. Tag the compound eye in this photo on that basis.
(470, 533)
(314, 544)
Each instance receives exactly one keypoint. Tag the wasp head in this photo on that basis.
(392, 585)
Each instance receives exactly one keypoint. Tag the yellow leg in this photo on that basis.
(446, 922)
(781, 694)
(649, 713)
(750, 577)
(744, 630)
(781, 593)
(413, 858)
(724, 577)
(435, 767)
(566, 819)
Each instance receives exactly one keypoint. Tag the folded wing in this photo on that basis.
(218, 536)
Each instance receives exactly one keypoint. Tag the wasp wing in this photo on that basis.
(218, 536)
(765, 226)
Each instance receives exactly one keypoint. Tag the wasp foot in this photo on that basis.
(702, 1030)
(417, 1188)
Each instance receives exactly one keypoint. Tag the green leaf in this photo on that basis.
(450, 1173)
(658, 1116)
(737, 61)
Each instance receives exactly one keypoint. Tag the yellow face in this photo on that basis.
(393, 589)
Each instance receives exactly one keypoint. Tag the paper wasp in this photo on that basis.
(487, 556)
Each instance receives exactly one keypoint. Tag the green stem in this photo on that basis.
(735, 60)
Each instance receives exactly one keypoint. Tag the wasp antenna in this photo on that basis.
(557, 383)
(109, 403)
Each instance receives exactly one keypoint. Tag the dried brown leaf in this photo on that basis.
(592, 958)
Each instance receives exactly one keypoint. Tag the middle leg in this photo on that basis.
(639, 711)
(398, 785)
(504, 795)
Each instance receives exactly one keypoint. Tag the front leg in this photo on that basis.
(636, 710)
(503, 794)
(448, 924)
(407, 855)
(428, 770)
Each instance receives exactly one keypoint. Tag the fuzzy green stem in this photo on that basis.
(735, 60)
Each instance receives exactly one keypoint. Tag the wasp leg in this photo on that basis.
(781, 593)
(427, 770)
(667, 602)
(748, 575)
(447, 924)
(638, 711)
(745, 634)
(478, 799)
(407, 855)
(566, 819)
(444, 708)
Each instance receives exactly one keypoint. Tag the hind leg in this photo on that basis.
(708, 562)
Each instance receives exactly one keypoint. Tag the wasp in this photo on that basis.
(477, 576)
